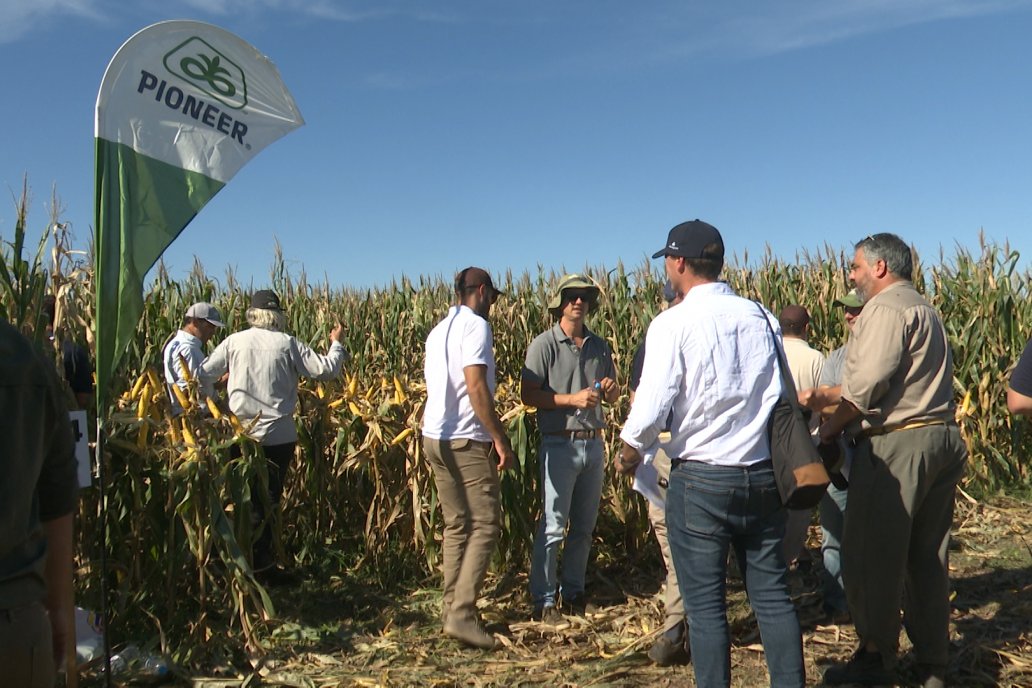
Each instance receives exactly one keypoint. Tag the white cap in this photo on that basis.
(205, 311)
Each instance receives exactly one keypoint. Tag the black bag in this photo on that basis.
(799, 470)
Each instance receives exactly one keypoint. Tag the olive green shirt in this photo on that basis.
(899, 367)
(37, 465)
(558, 365)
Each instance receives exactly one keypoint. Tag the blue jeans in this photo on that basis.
(571, 480)
(709, 510)
(833, 516)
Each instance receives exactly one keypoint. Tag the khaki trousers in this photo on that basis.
(672, 604)
(26, 653)
(896, 538)
(466, 474)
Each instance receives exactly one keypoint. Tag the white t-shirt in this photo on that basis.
(462, 339)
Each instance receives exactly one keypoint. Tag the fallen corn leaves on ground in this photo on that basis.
(333, 631)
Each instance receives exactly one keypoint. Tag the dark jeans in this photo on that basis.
(709, 510)
(278, 457)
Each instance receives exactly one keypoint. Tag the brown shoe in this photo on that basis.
(469, 631)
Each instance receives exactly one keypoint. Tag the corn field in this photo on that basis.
(360, 494)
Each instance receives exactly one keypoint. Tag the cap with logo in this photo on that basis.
(205, 311)
(693, 239)
(267, 299)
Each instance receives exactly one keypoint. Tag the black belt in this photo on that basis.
(577, 434)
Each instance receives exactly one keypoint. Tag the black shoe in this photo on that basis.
(672, 647)
(578, 605)
(863, 668)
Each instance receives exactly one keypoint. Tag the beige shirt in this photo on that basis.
(899, 367)
(805, 364)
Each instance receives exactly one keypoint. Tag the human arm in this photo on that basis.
(1019, 391)
(316, 366)
(57, 574)
(823, 399)
(483, 407)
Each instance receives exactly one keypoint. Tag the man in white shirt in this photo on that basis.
(264, 365)
(712, 360)
(467, 446)
(199, 324)
(805, 364)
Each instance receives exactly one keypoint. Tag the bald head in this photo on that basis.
(794, 320)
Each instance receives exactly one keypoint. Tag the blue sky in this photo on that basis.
(513, 134)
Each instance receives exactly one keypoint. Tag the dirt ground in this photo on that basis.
(334, 633)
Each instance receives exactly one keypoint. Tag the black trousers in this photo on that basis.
(278, 457)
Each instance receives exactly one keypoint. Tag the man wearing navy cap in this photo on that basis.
(713, 361)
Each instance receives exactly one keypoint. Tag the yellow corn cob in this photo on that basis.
(173, 429)
(155, 383)
(352, 386)
(185, 369)
(320, 391)
(399, 392)
(354, 408)
(335, 403)
(235, 422)
(181, 396)
(141, 408)
(213, 407)
(188, 436)
(401, 437)
(141, 439)
(138, 387)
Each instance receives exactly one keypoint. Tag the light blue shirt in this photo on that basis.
(191, 348)
(712, 359)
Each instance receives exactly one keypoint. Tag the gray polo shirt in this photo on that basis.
(555, 363)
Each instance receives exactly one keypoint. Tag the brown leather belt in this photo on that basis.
(577, 434)
(911, 425)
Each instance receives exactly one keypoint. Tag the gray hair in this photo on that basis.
(267, 319)
(891, 249)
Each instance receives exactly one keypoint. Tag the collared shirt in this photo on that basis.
(831, 374)
(805, 364)
(37, 465)
(460, 340)
(264, 367)
(712, 359)
(555, 363)
(1021, 376)
(899, 367)
(191, 348)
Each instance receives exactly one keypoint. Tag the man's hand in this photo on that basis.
(336, 332)
(610, 390)
(506, 456)
(585, 399)
(808, 399)
(626, 460)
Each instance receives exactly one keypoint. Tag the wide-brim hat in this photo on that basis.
(572, 282)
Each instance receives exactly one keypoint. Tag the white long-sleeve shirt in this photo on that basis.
(264, 367)
(712, 359)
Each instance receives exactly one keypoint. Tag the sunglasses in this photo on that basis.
(585, 295)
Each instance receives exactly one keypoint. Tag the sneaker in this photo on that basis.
(469, 631)
(672, 647)
(863, 668)
(547, 615)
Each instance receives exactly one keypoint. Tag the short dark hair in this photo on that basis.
(898, 257)
(709, 266)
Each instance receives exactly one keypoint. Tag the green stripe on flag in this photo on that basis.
(142, 205)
